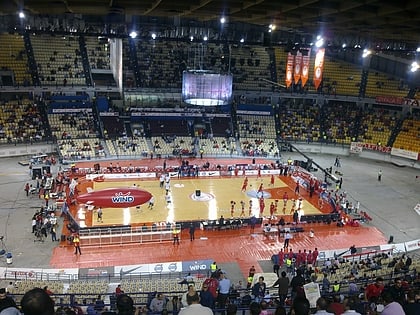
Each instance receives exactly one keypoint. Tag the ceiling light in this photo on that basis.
(319, 42)
(366, 52)
(242, 40)
(205, 38)
(133, 34)
(222, 20)
(21, 15)
(414, 66)
(153, 35)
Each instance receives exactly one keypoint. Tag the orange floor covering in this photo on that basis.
(224, 246)
(241, 246)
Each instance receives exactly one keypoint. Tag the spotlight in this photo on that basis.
(21, 15)
(154, 36)
(133, 34)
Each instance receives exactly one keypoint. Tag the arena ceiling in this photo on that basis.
(374, 20)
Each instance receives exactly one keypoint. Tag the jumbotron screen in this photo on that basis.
(204, 88)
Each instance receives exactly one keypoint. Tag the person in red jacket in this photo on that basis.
(374, 290)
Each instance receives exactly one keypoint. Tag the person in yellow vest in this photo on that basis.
(213, 267)
(289, 263)
(76, 244)
(249, 281)
(47, 198)
(336, 287)
(175, 234)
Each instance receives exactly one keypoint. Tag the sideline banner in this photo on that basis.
(412, 245)
(404, 154)
(356, 147)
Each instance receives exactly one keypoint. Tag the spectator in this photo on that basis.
(118, 290)
(391, 307)
(36, 302)
(374, 290)
(336, 306)
(125, 305)
(412, 306)
(158, 303)
(174, 306)
(397, 291)
(194, 307)
(300, 306)
(350, 307)
(321, 307)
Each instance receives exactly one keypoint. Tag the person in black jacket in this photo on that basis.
(297, 284)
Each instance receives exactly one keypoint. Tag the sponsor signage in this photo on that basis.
(196, 265)
(375, 147)
(115, 197)
(71, 110)
(108, 114)
(121, 176)
(395, 100)
(412, 245)
(209, 173)
(165, 267)
(95, 272)
(405, 154)
(356, 147)
(253, 113)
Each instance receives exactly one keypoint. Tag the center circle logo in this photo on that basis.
(202, 196)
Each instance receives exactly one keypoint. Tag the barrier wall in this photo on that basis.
(28, 149)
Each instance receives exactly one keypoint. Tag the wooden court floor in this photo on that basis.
(216, 195)
(242, 246)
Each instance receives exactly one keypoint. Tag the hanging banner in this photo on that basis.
(289, 69)
(305, 67)
(298, 66)
(318, 68)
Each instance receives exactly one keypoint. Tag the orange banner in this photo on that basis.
(319, 67)
(289, 69)
(305, 67)
(298, 66)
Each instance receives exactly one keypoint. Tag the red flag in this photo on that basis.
(289, 69)
(298, 66)
(305, 67)
(319, 67)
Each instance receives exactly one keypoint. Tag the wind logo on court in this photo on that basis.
(122, 198)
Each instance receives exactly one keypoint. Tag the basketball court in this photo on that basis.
(194, 199)
(201, 199)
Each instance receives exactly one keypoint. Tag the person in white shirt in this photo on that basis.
(194, 307)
